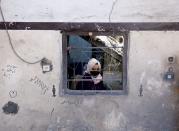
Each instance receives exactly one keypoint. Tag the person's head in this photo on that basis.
(94, 67)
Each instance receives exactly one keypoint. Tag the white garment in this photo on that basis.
(97, 79)
(90, 65)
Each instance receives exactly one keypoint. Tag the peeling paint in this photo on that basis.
(115, 120)
(156, 111)
(88, 102)
(27, 28)
(69, 125)
(99, 28)
(155, 86)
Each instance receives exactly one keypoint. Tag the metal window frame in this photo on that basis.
(66, 91)
(92, 26)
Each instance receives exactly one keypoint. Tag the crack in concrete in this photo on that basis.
(52, 112)
(112, 8)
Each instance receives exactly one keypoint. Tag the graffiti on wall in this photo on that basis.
(13, 93)
(69, 125)
(75, 102)
(39, 83)
(9, 70)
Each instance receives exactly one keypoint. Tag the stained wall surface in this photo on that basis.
(26, 85)
(91, 10)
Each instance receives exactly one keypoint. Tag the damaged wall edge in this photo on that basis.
(84, 26)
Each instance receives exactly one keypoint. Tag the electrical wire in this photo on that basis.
(10, 40)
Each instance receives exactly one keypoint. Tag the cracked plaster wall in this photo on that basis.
(156, 110)
(91, 10)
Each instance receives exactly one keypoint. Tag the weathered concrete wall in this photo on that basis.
(27, 86)
(156, 110)
(91, 10)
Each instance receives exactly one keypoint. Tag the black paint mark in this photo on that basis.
(46, 62)
(141, 91)
(10, 108)
(9, 70)
(13, 94)
(40, 84)
(53, 91)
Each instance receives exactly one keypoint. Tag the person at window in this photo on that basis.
(92, 79)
